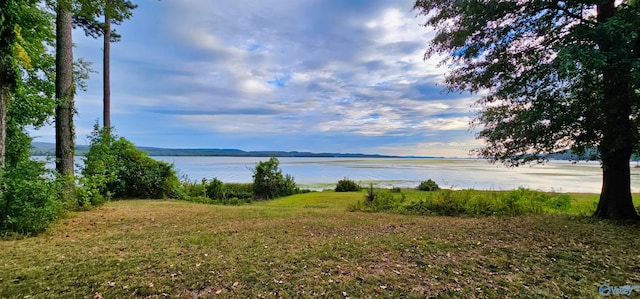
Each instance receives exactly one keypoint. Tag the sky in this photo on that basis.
(287, 75)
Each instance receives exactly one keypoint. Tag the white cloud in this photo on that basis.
(340, 70)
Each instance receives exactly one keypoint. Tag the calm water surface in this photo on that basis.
(321, 173)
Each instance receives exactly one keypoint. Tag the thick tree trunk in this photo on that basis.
(106, 68)
(617, 134)
(64, 90)
(616, 147)
(615, 199)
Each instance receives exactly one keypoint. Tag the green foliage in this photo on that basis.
(428, 185)
(466, 203)
(86, 15)
(269, 183)
(554, 76)
(28, 198)
(371, 194)
(216, 192)
(119, 170)
(544, 65)
(238, 190)
(347, 185)
(28, 192)
(215, 189)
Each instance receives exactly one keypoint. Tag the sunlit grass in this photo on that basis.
(308, 245)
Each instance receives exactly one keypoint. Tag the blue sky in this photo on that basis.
(312, 75)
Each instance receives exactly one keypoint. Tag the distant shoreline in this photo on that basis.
(48, 149)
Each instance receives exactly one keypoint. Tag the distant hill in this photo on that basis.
(48, 149)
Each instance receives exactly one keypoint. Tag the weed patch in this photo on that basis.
(464, 202)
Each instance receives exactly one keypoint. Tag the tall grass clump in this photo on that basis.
(467, 203)
(379, 200)
(347, 185)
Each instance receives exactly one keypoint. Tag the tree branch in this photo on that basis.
(556, 5)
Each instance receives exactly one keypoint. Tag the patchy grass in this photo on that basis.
(308, 245)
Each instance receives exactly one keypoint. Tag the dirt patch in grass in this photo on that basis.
(293, 248)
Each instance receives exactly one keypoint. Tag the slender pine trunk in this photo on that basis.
(5, 95)
(7, 79)
(106, 68)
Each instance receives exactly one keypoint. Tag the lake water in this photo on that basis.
(324, 173)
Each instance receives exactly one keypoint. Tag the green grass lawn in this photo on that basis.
(309, 245)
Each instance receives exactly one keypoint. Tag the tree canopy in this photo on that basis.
(552, 76)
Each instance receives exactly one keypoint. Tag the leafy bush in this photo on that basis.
(120, 170)
(428, 185)
(239, 190)
(215, 189)
(269, 183)
(216, 192)
(89, 191)
(28, 198)
(347, 185)
(193, 188)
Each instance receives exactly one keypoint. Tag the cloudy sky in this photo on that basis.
(312, 75)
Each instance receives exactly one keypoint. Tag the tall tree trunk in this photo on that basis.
(64, 89)
(616, 147)
(5, 95)
(7, 79)
(106, 67)
(617, 136)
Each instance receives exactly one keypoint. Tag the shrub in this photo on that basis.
(467, 203)
(126, 171)
(28, 198)
(428, 185)
(89, 191)
(214, 189)
(239, 190)
(269, 183)
(371, 195)
(216, 192)
(347, 185)
(193, 188)
(383, 201)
